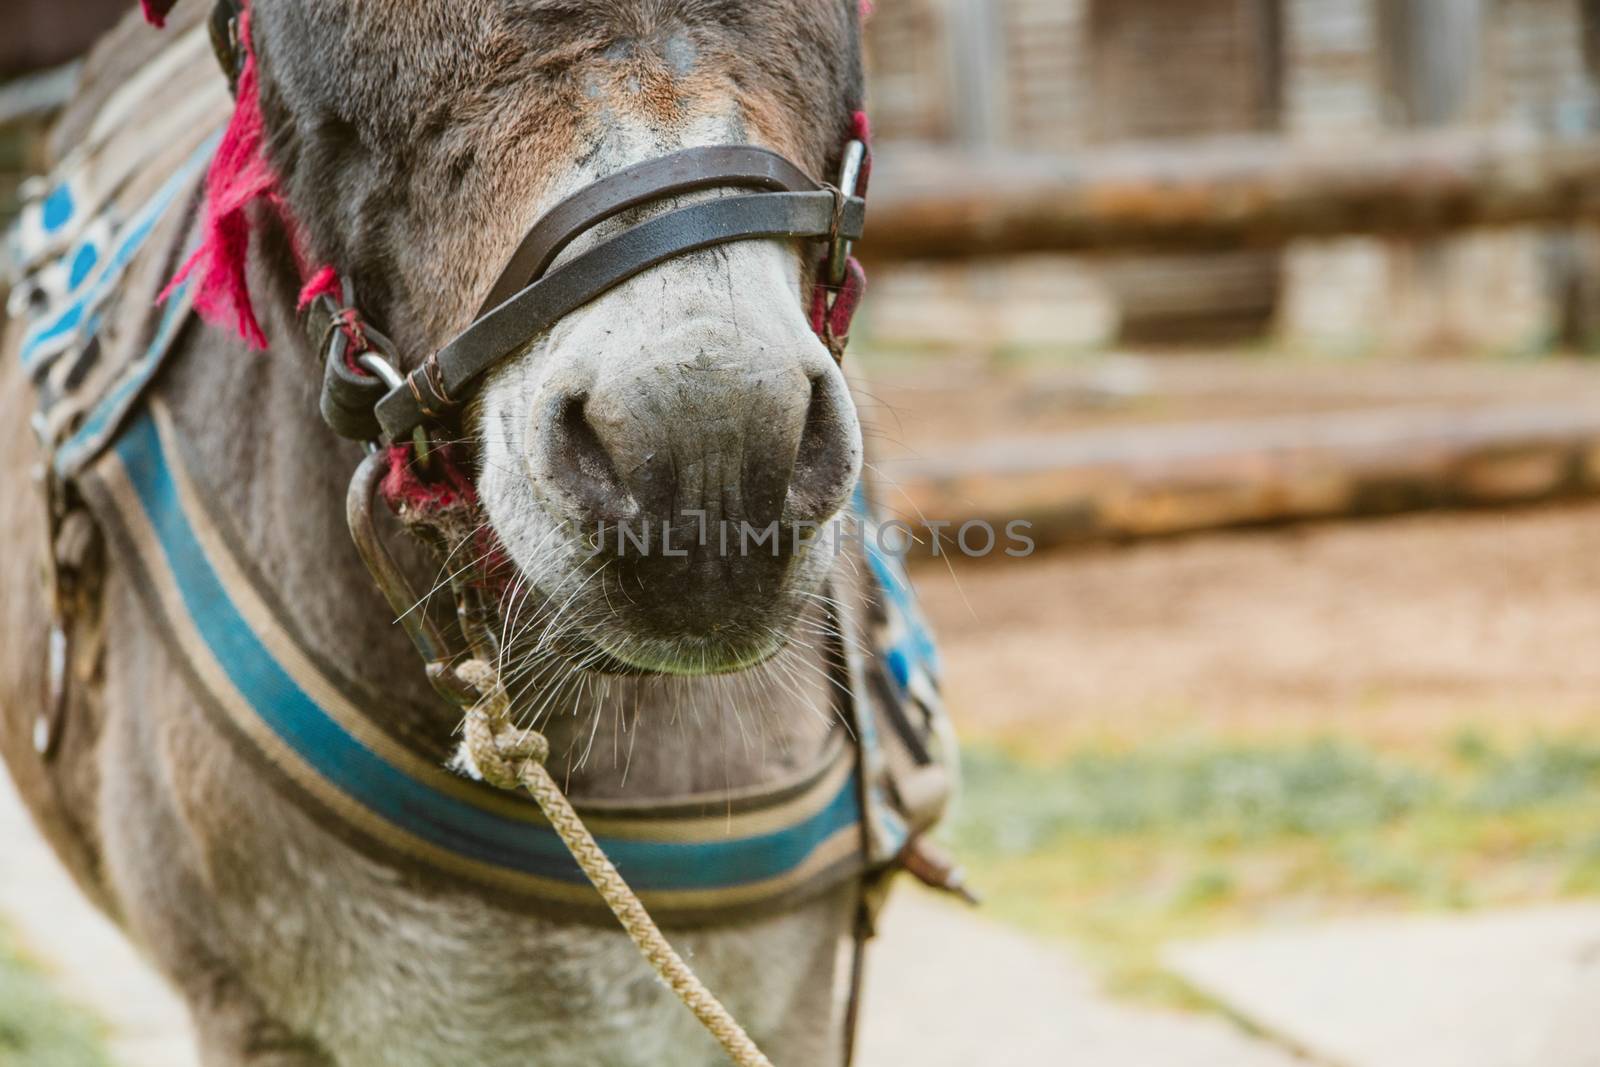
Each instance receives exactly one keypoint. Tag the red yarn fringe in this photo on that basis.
(861, 127)
(155, 11)
(239, 176)
(324, 282)
(405, 487)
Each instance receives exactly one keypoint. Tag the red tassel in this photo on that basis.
(155, 11)
(239, 176)
(861, 127)
(833, 319)
(323, 283)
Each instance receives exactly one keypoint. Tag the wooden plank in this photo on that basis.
(1133, 482)
(1225, 193)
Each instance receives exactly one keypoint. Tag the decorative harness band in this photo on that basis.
(692, 859)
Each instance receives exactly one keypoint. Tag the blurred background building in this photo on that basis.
(1080, 76)
(39, 47)
(44, 33)
(1077, 77)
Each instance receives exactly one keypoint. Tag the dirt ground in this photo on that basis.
(1402, 631)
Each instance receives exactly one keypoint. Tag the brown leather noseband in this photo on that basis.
(530, 295)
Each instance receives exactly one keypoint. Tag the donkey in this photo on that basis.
(411, 144)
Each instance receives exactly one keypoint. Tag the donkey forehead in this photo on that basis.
(418, 139)
(388, 63)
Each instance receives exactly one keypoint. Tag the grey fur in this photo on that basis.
(417, 141)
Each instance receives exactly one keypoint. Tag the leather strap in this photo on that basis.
(348, 392)
(692, 170)
(440, 384)
(223, 27)
(339, 336)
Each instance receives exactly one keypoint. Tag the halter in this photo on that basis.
(365, 400)
(529, 296)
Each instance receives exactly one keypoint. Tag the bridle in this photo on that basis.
(400, 416)
(777, 200)
(366, 398)
(364, 395)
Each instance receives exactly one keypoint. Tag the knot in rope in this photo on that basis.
(501, 750)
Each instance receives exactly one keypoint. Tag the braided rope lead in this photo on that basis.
(508, 757)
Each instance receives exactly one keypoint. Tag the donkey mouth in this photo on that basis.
(613, 650)
(685, 657)
(621, 619)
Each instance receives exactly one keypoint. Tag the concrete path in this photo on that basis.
(92, 964)
(947, 989)
(1506, 989)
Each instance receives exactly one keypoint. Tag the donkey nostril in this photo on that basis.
(826, 461)
(581, 465)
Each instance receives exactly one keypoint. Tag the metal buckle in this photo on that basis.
(836, 267)
(373, 363)
(380, 368)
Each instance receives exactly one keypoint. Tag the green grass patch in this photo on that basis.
(1123, 850)
(36, 1028)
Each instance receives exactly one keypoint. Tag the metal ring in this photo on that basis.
(855, 156)
(384, 371)
(381, 369)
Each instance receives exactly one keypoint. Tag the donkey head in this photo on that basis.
(646, 460)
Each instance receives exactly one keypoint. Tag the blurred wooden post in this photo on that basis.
(1433, 51)
(1164, 71)
(1580, 312)
(43, 33)
(1591, 37)
(978, 64)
